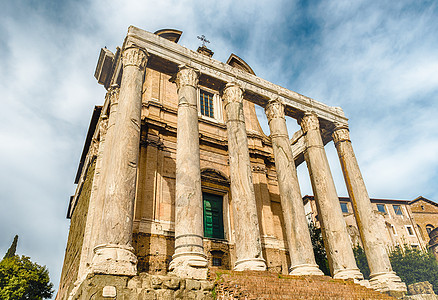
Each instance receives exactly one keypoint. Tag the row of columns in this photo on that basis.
(114, 253)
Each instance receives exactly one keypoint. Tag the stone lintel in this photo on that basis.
(174, 55)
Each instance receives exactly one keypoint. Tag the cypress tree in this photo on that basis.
(12, 249)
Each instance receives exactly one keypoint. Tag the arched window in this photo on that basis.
(429, 228)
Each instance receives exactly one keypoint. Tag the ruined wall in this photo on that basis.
(76, 236)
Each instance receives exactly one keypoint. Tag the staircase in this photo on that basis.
(266, 285)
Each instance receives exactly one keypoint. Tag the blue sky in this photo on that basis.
(378, 60)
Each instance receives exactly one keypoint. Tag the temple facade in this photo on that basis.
(176, 175)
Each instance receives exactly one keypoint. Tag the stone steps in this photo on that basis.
(267, 285)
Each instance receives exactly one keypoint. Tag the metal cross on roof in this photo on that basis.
(203, 39)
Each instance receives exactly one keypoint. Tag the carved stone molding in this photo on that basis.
(187, 76)
(274, 109)
(153, 142)
(134, 56)
(260, 169)
(341, 134)
(309, 122)
(232, 93)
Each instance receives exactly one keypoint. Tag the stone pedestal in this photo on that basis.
(247, 231)
(297, 233)
(382, 278)
(189, 259)
(336, 240)
(114, 253)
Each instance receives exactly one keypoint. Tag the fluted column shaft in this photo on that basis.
(297, 233)
(247, 231)
(115, 254)
(189, 259)
(370, 226)
(337, 243)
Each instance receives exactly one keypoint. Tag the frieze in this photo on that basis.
(178, 54)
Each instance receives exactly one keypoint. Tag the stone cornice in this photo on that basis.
(295, 104)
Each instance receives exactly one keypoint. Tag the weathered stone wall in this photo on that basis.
(144, 287)
(75, 236)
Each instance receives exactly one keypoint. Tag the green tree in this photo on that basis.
(22, 279)
(318, 249)
(414, 265)
(361, 261)
(13, 248)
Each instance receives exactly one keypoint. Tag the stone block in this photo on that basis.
(165, 294)
(420, 288)
(172, 282)
(156, 281)
(109, 291)
(148, 295)
(207, 285)
(192, 284)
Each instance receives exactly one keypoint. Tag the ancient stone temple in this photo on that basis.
(177, 177)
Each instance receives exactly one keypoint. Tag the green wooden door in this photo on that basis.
(213, 216)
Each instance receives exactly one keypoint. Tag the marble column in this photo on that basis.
(297, 232)
(382, 278)
(115, 254)
(189, 259)
(336, 240)
(247, 230)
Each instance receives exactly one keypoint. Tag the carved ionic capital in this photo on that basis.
(341, 134)
(274, 109)
(134, 56)
(232, 93)
(187, 76)
(309, 122)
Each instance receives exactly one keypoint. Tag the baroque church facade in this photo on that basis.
(177, 176)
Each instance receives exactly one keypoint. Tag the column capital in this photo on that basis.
(274, 109)
(134, 56)
(103, 126)
(309, 121)
(341, 133)
(232, 92)
(187, 76)
(113, 94)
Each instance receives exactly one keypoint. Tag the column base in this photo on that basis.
(189, 265)
(114, 260)
(305, 269)
(354, 274)
(387, 282)
(252, 264)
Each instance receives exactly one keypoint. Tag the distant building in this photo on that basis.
(406, 222)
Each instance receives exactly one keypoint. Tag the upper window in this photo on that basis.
(397, 210)
(206, 104)
(381, 208)
(344, 207)
(429, 228)
(409, 229)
